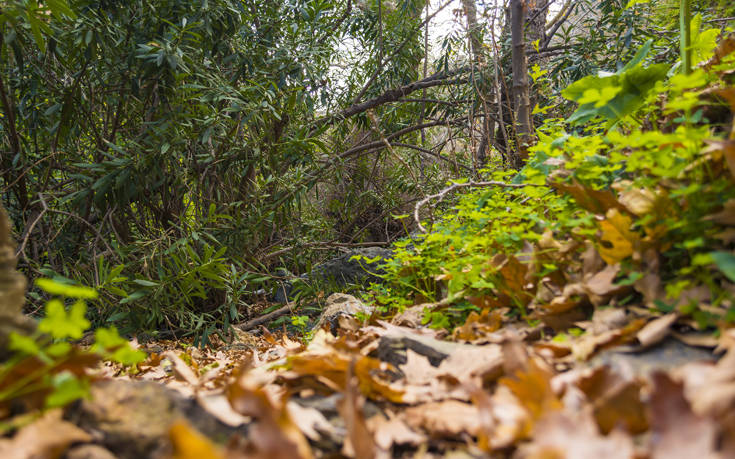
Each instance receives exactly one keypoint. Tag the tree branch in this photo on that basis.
(393, 95)
(455, 186)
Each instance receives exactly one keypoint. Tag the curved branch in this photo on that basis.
(455, 186)
(393, 95)
(431, 153)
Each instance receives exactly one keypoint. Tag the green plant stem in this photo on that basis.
(685, 37)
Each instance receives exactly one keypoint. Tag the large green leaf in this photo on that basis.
(613, 96)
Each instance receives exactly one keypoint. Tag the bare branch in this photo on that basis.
(455, 186)
(398, 49)
(393, 95)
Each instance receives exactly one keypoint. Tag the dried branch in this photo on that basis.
(265, 318)
(432, 154)
(393, 95)
(323, 245)
(455, 186)
(395, 52)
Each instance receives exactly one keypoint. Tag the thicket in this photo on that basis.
(172, 153)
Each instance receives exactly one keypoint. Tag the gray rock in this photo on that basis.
(343, 270)
(132, 418)
(337, 272)
(338, 305)
(665, 356)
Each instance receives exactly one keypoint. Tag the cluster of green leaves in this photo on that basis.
(638, 133)
(46, 365)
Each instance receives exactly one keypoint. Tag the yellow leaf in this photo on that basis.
(190, 444)
(617, 241)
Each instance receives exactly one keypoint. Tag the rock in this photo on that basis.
(667, 355)
(337, 272)
(340, 305)
(284, 287)
(89, 452)
(393, 345)
(12, 290)
(343, 270)
(132, 418)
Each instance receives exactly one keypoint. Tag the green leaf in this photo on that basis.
(35, 24)
(107, 338)
(66, 389)
(69, 291)
(112, 346)
(633, 3)
(622, 93)
(136, 295)
(639, 56)
(59, 7)
(725, 261)
(23, 344)
(60, 324)
(59, 349)
(145, 283)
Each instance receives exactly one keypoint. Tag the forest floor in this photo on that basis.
(493, 388)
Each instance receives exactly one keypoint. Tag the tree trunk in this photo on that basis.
(485, 88)
(12, 290)
(521, 99)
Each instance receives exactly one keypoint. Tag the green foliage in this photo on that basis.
(166, 147)
(46, 366)
(647, 192)
(615, 96)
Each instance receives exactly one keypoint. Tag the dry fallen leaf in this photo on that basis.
(359, 442)
(711, 388)
(218, 406)
(273, 435)
(181, 369)
(310, 421)
(46, 437)
(392, 430)
(187, 443)
(656, 330)
(601, 286)
(596, 201)
(574, 436)
(678, 433)
(448, 418)
(726, 216)
(616, 402)
(638, 201)
(617, 241)
(533, 388)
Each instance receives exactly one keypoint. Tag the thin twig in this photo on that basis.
(455, 186)
(328, 245)
(382, 62)
(27, 233)
(265, 318)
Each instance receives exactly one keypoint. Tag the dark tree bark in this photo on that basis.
(484, 89)
(521, 99)
(12, 290)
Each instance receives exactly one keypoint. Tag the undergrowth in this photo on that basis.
(636, 186)
(48, 369)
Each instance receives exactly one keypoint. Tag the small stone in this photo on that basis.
(89, 452)
(341, 304)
